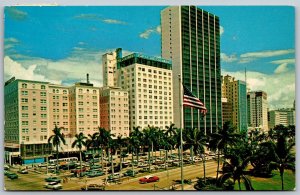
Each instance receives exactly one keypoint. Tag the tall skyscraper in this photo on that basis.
(235, 93)
(257, 110)
(191, 39)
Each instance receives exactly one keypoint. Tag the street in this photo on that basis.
(35, 180)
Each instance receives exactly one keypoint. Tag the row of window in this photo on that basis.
(25, 85)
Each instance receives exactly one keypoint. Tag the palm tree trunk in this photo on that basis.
(218, 167)
(80, 157)
(281, 175)
(132, 164)
(239, 181)
(112, 165)
(56, 159)
(192, 154)
(204, 171)
(149, 159)
(152, 150)
(102, 165)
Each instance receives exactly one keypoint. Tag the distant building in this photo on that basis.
(236, 110)
(109, 67)
(283, 117)
(226, 110)
(191, 39)
(148, 81)
(257, 110)
(114, 109)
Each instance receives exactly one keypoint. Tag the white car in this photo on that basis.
(53, 185)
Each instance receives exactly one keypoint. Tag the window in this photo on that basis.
(24, 92)
(80, 109)
(24, 122)
(43, 101)
(24, 85)
(43, 115)
(43, 94)
(25, 115)
(80, 97)
(65, 98)
(25, 130)
(94, 97)
(65, 110)
(24, 100)
(43, 108)
(64, 91)
(81, 116)
(94, 92)
(43, 122)
(24, 107)
(80, 90)
(65, 104)
(43, 87)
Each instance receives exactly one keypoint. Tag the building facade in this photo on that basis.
(235, 93)
(283, 117)
(26, 121)
(114, 111)
(148, 81)
(191, 39)
(257, 104)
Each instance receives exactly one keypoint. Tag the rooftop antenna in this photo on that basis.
(87, 78)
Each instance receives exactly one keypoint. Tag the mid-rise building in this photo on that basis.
(283, 117)
(26, 121)
(148, 81)
(235, 93)
(109, 67)
(114, 111)
(191, 39)
(257, 104)
(84, 108)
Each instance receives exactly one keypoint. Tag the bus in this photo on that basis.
(62, 161)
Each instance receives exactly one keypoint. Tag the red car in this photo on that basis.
(148, 179)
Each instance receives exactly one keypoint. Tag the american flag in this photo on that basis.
(192, 101)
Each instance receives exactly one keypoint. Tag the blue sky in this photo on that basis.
(61, 44)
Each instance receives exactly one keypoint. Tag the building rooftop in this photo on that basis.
(145, 60)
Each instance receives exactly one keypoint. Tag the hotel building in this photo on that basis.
(283, 117)
(235, 93)
(257, 104)
(114, 110)
(191, 40)
(148, 81)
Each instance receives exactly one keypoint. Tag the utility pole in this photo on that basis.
(181, 147)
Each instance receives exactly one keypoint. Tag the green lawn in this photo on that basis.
(273, 183)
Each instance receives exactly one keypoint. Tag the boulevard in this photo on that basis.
(35, 180)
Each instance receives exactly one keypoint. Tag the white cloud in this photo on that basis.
(228, 59)
(265, 54)
(15, 13)
(67, 71)
(280, 88)
(281, 68)
(99, 18)
(147, 33)
(221, 30)
(288, 61)
(13, 68)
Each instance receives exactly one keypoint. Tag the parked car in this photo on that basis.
(148, 179)
(12, 175)
(94, 174)
(93, 187)
(53, 185)
(130, 173)
(53, 179)
(146, 169)
(23, 171)
(141, 165)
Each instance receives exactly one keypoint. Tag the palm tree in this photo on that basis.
(120, 143)
(222, 140)
(284, 158)
(138, 136)
(103, 138)
(148, 138)
(170, 132)
(236, 169)
(79, 142)
(197, 141)
(56, 139)
(92, 142)
(134, 143)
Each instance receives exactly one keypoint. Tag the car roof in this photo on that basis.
(148, 176)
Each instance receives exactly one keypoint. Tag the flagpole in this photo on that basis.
(181, 147)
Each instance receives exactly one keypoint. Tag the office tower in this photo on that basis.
(235, 93)
(148, 81)
(114, 110)
(257, 104)
(191, 39)
(26, 121)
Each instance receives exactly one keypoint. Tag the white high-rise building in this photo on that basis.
(283, 117)
(109, 67)
(148, 81)
(257, 110)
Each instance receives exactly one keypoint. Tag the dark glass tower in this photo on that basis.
(191, 39)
